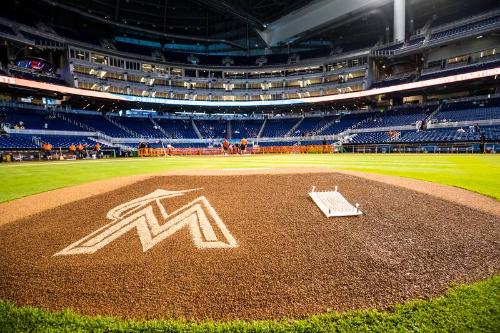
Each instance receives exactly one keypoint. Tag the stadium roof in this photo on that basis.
(245, 26)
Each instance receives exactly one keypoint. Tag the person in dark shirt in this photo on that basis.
(482, 142)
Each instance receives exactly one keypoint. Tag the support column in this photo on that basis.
(399, 20)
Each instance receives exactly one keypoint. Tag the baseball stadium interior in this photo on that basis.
(187, 75)
(249, 166)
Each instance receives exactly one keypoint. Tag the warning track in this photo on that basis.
(290, 261)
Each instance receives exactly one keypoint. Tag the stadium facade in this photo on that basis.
(422, 78)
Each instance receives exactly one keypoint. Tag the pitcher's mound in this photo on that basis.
(243, 247)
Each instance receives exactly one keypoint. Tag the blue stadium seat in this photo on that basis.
(214, 129)
(248, 128)
(142, 126)
(177, 128)
(100, 124)
(276, 127)
(36, 119)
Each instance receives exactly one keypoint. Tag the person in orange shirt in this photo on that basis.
(243, 145)
(225, 146)
(72, 149)
(47, 147)
(79, 148)
(97, 148)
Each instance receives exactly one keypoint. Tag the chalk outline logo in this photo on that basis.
(139, 214)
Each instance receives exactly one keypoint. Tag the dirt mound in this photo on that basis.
(288, 260)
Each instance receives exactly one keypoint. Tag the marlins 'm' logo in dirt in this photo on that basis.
(139, 214)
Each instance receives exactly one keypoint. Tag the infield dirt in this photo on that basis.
(291, 261)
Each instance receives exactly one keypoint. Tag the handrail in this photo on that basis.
(47, 132)
(467, 20)
(296, 149)
(465, 123)
(221, 91)
(482, 60)
(473, 75)
(384, 129)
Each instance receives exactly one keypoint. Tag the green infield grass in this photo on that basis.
(479, 173)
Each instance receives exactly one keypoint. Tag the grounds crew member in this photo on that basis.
(97, 148)
(225, 146)
(47, 147)
(79, 148)
(243, 145)
(72, 149)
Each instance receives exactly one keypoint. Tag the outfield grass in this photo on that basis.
(479, 173)
(474, 308)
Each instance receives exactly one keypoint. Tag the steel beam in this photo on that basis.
(314, 16)
(80, 12)
(236, 11)
(399, 20)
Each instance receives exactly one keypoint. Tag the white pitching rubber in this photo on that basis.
(333, 204)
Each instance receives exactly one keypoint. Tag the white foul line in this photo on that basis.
(237, 169)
